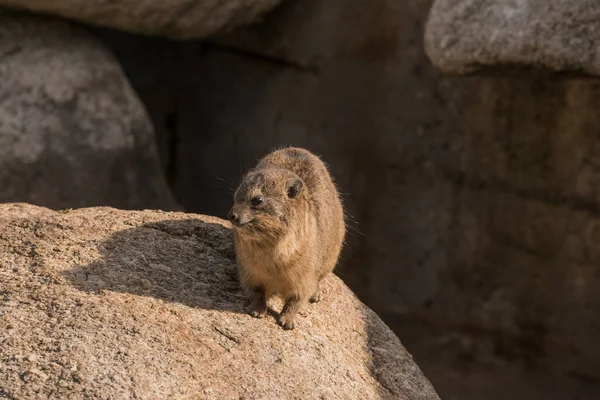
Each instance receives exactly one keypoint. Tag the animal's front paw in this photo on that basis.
(315, 298)
(257, 313)
(257, 310)
(286, 322)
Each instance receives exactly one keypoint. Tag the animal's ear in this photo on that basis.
(294, 188)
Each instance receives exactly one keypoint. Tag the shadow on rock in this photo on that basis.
(192, 262)
(185, 261)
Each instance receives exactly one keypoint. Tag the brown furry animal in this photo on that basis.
(289, 227)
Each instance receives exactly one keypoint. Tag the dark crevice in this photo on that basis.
(264, 58)
(226, 335)
(172, 143)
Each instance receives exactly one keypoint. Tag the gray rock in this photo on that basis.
(465, 36)
(72, 131)
(170, 18)
(182, 333)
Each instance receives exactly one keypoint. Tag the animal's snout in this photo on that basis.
(233, 217)
(238, 216)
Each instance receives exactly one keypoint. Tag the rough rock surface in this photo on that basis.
(101, 303)
(463, 36)
(72, 131)
(171, 18)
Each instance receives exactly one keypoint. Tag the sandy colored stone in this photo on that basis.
(464, 36)
(73, 132)
(182, 19)
(168, 320)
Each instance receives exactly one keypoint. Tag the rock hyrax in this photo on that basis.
(289, 227)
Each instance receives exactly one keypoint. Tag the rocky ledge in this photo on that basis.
(102, 303)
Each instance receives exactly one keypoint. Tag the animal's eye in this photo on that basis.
(257, 201)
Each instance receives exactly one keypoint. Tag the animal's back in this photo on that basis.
(323, 197)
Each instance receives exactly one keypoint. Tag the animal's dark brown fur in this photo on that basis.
(288, 228)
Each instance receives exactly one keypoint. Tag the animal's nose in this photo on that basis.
(233, 217)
